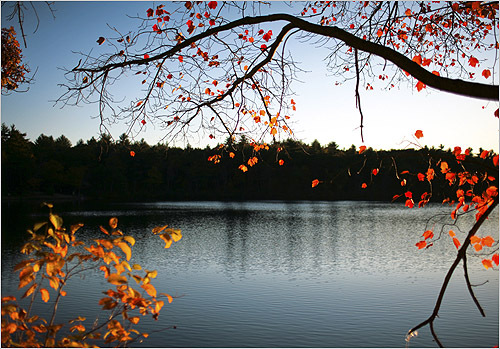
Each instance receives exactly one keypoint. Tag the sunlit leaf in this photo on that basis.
(428, 234)
(456, 242)
(150, 289)
(487, 241)
(495, 258)
(473, 61)
(45, 295)
(486, 73)
(419, 134)
(314, 183)
(157, 230)
(487, 263)
(132, 153)
(117, 279)
(361, 149)
(421, 244)
(30, 290)
(125, 248)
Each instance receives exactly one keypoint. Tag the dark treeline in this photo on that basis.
(105, 169)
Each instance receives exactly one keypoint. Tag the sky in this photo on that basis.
(325, 111)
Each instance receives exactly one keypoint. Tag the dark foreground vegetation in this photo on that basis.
(105, 169)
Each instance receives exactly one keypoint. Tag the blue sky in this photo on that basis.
(325, 112)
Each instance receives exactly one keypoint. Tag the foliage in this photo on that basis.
(13, 70)
(57, 255)
(225, 68)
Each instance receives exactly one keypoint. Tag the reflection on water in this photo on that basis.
(294, 274)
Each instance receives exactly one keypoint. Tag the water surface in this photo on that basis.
(292, 274)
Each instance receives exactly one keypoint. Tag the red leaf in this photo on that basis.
(496, 113)
(375, 171)
(263, 47)
(495, 160)
(211, 22)
(181, 59)
(146, 56)
(315, 182)
(486, 73)
(421, 244)
(428, 234)
(419, 134)
(351, 26)
(484, 154)
(409, 203)
(362, 149)
(487, 263)
(473, 61)
(212, 5)
(188, 5)
(143, 122)
(495, 258)
(421, 177)
(132, 153)
(420, 86)
(417, 59)
(267, 36)
(150, 12)
(456, 242)
(364, 186)
(409, 194)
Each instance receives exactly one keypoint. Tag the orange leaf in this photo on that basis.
(363, 185)
(428, 234)
(419, 134)
(231, 155)
(444, 167)
(487, 263)
(487, 241)
(132, 153)
(243, 168)
(474, 239)
(315, 182)
(452, 234)
(495, 160)
(456, 242)
(421, 244)
(281, 162)
(478, 247)
(420, 86)
(417, 59)
(484, 154)
(362, 149)
(150, 289)
(45, 295)
(495, 258)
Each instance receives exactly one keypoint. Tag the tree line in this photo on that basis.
(107, 169)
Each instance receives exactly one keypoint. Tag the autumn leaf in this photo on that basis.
(495, 258)
(361, 149)
(231, 155)
(486, 73)
(456, 242)
(484, 154)
(315, 183)
(420, 86)
(117, 279)
(364, 186)
(428, 234)
(132, 153)
(150, 289)
(113, 222)
(150, 12)
(243, 168)
(281, 162)
(100, 40)
(419, 134)
(487, 241)
(375, 171)
(45, 295)
(212, 5)
(473, 61)
(421, 244)
(487, 263)
(181, 59)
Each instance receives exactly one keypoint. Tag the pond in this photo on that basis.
(287, 274)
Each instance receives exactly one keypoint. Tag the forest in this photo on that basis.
(125, 170)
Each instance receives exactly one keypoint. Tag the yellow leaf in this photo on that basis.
(29, 291)
(134, 319)
(157, 230)
(125, 248)
(175, 234)
(130, 240)
(168, 240)
(45, 295)
(113, 222)
(136, 267)
(150, 289)
(56, 221)
(117, 279)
